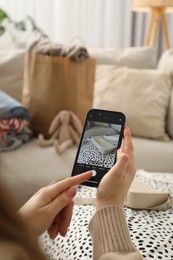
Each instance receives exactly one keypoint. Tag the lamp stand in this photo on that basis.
(157, 15)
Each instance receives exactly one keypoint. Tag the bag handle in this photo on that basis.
(166, 205)
(91, 201)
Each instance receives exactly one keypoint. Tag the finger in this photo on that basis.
(53, 230)
(56, 208)
(127, 143)
(55, 189)
(61, 222)
(127, 137)
(66, 219)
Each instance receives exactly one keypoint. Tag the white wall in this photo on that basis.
(99, 23)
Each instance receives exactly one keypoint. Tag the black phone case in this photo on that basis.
(101, 137)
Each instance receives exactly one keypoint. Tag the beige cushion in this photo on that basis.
(142, 95)
(133, 57)
(166, 63)
(153, 155)
(11, 71)
(166, 60)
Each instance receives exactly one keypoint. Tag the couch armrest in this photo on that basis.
(170, 115)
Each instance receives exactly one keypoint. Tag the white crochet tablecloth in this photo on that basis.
(151, 231)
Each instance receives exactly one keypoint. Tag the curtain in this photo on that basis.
(97, 23)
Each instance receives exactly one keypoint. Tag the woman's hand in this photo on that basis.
(51, 207)
(114, 186)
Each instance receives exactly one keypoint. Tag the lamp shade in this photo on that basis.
(147, 5)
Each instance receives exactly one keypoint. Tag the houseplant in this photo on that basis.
(21, 31)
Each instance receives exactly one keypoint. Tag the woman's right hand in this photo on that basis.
(115, 184)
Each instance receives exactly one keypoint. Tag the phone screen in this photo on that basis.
(101, 137)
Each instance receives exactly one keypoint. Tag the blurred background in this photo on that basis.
(97, 23)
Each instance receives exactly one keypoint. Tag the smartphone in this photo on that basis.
(101, 137)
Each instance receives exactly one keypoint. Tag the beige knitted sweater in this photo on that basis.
(110, 235)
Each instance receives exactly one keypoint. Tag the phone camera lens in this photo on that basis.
(100, 114)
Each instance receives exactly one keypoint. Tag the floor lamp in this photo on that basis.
(158, 10)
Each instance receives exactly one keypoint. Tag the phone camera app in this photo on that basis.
(101, 137)
(99, 144)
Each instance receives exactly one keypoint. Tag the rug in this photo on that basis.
(151, 231)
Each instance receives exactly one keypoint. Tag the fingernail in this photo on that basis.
(71, 192)
(94, 173)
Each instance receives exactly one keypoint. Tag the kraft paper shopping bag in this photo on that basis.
(52, 84)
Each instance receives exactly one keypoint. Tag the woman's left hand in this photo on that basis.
(51, 207)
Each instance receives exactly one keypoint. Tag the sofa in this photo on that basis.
(150, 116)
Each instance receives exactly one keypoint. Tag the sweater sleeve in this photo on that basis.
(110, 236)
